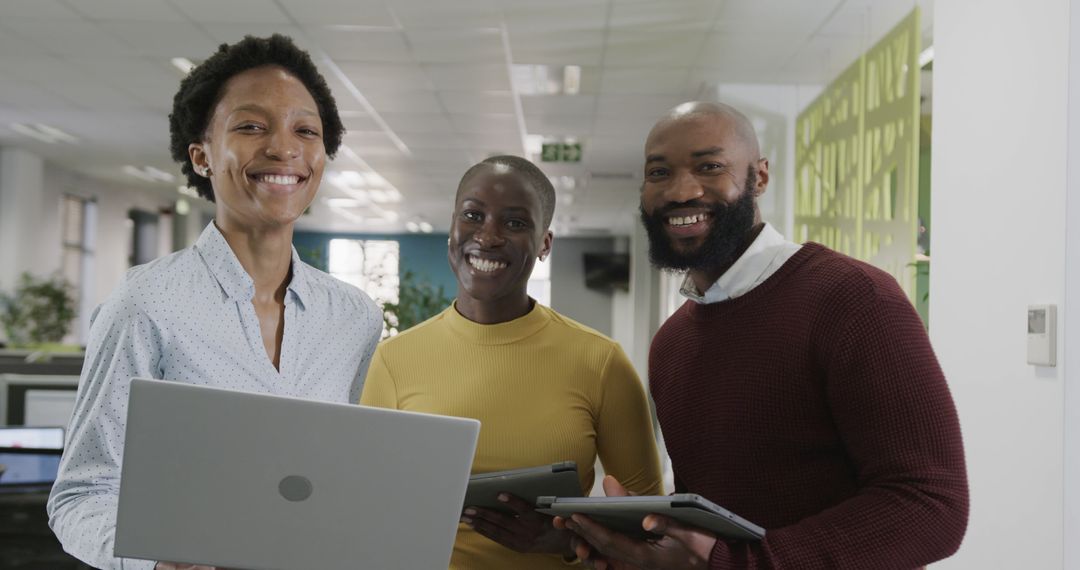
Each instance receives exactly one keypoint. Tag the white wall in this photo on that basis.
(569, 295)
(1071, 312)
(999, 199)
(24, 213)
(113, 228)
(30, 232)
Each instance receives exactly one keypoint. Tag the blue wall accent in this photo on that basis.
(423, 254)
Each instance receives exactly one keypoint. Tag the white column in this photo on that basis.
(999, 210)
(22, 204)
(644, 301)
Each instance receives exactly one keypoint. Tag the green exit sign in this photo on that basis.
(561, 152)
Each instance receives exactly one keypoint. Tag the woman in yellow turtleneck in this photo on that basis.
(545, 388)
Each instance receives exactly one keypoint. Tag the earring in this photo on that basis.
(543, 257)
(206, 171)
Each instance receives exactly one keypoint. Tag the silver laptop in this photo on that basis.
(253, 481)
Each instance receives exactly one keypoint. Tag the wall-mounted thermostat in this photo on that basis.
(1042, 335)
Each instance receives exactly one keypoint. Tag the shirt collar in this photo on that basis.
(231, 276)
(744, 273)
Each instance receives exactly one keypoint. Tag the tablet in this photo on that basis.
(557, 479)
(624, 514)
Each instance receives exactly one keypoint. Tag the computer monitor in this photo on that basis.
(32, 437)
(28, 469)
(37, 400)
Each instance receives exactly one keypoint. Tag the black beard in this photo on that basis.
(727, 233)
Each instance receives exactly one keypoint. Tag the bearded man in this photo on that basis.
(796, 387)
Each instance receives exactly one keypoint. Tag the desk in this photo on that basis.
(26, 541)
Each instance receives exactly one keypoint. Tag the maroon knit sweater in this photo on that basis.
(815, 407)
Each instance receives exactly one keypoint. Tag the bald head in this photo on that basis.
(728, 116)
(531, 174)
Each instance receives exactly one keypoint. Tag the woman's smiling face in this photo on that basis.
(496, 235)
(264, 149)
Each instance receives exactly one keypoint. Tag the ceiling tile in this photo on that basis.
(506, 141)
(165, 39)
(745, 53)
(475, 77)
(406, 102)
(780, 17)
(559, 125)
(578, 105)
(233, 11)
(456, 14)
(636, 107)
(27, 97)
(358, 122)
(557, 47)
(419, 141)
(668, 80)
(70, 37)
(469, 45)
(553, 16)
(386, 77)
(481, 124)
(231, 33)
(644, 48)
(478, 103)
(368, 138)
(36, 10)
(339, 12)
(378, 46)
(141, 11)
(419, 123)
(632, 127)
(669, 15)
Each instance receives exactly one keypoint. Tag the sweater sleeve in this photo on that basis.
(625, 440)
(379, 389)
(898, 424)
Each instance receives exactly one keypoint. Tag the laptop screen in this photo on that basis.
(28, 466)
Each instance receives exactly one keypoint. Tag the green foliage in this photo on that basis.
(418, 301)
(40, 311)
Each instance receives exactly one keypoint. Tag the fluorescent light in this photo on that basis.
(426, 227)
(531, 79)
(183, 64)
(571, 79)
(148, 174)
(413, 227)
(187, 191)
(926, 57)
(44, 133)
(343, 203)
(534, 145)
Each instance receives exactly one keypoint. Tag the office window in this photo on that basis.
(78, 219)
(371, 265)
(539, 286)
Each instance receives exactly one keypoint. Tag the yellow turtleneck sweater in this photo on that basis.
(545, 389)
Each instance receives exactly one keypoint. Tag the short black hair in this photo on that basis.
(532, 174)
(200, 91)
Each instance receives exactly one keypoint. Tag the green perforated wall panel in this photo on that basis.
(857, 158)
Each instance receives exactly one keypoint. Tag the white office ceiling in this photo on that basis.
(424, 86)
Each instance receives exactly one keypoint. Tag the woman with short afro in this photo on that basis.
(252, 128)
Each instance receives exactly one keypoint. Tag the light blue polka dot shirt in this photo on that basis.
(188, 317)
